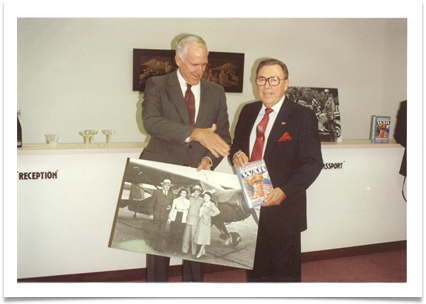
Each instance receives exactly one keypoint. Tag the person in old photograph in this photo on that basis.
(256, 180)
(381, 132)
(291, 148)
(177, 219)
(192, 221)
(136, 192)
(203, 232)
(329, 109)
(161, 201)
(187, 119)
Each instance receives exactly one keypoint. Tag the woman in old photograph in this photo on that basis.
(177, 219)
(192, 220)
(136, 192)
(207, 211)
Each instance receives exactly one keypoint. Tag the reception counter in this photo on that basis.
(67, 196)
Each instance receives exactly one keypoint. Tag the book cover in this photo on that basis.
(255, 183)
(380, 129)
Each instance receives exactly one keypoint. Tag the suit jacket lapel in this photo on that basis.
(204, 103)
(279, 127)
(175, 93)
(249, 126)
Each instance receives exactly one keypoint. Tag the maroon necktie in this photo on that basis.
(256, 154)
(190, 105)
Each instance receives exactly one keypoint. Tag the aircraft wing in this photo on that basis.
(156, 175)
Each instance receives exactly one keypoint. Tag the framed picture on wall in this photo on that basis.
(225, 69)
(148, 63)
(325, 103)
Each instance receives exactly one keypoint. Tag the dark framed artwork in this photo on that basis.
(148, 63)
(225, 69)
(326, 106)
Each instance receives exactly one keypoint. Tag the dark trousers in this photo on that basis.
(176, 234)
(157, 269)
(277, 257)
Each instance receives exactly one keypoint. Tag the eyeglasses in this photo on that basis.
(273, 81)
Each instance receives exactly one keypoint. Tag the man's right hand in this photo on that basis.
(240, 159)
(211, 141)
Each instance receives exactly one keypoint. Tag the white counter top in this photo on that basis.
(81, 148)
(359, 143)
(356, 203)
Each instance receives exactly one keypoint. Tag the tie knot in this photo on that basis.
(268, 111)
(188, 86)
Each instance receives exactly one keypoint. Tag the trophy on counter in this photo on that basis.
(108, 134)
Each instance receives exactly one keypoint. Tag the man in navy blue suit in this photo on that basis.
(285, 135)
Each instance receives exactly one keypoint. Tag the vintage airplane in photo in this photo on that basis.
(144, 180)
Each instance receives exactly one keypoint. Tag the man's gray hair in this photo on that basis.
(272, 61)
(185, 40)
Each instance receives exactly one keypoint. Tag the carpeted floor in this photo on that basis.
(388, 266)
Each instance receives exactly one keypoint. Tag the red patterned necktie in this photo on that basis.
(256, 154)
(190, 105)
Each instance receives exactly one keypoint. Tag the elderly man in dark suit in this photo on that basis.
(187, 119)
(285, 135)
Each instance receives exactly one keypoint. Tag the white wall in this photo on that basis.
(75, 74)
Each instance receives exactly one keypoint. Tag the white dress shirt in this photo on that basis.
(272, 116)
(196, 90)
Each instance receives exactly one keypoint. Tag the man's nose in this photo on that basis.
(199, 69)
(267, 84)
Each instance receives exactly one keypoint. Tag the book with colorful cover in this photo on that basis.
(255, 183)
(380, 128)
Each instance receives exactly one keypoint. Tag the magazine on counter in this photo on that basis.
(255, 182)
(380, 128)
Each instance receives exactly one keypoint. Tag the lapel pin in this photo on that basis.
(283, 123)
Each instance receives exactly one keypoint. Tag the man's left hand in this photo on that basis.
(274, 198)
(204, 165)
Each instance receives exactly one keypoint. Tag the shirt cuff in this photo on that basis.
(238, 152)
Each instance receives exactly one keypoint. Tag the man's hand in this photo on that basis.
(274, 198)
(204, 164)
(211, 141)
(240, 159)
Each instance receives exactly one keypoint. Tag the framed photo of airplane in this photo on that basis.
(175, 211)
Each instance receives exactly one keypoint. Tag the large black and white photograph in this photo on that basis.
(175, 211)
(325, 103)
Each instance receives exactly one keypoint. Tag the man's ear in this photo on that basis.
(178, 60)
